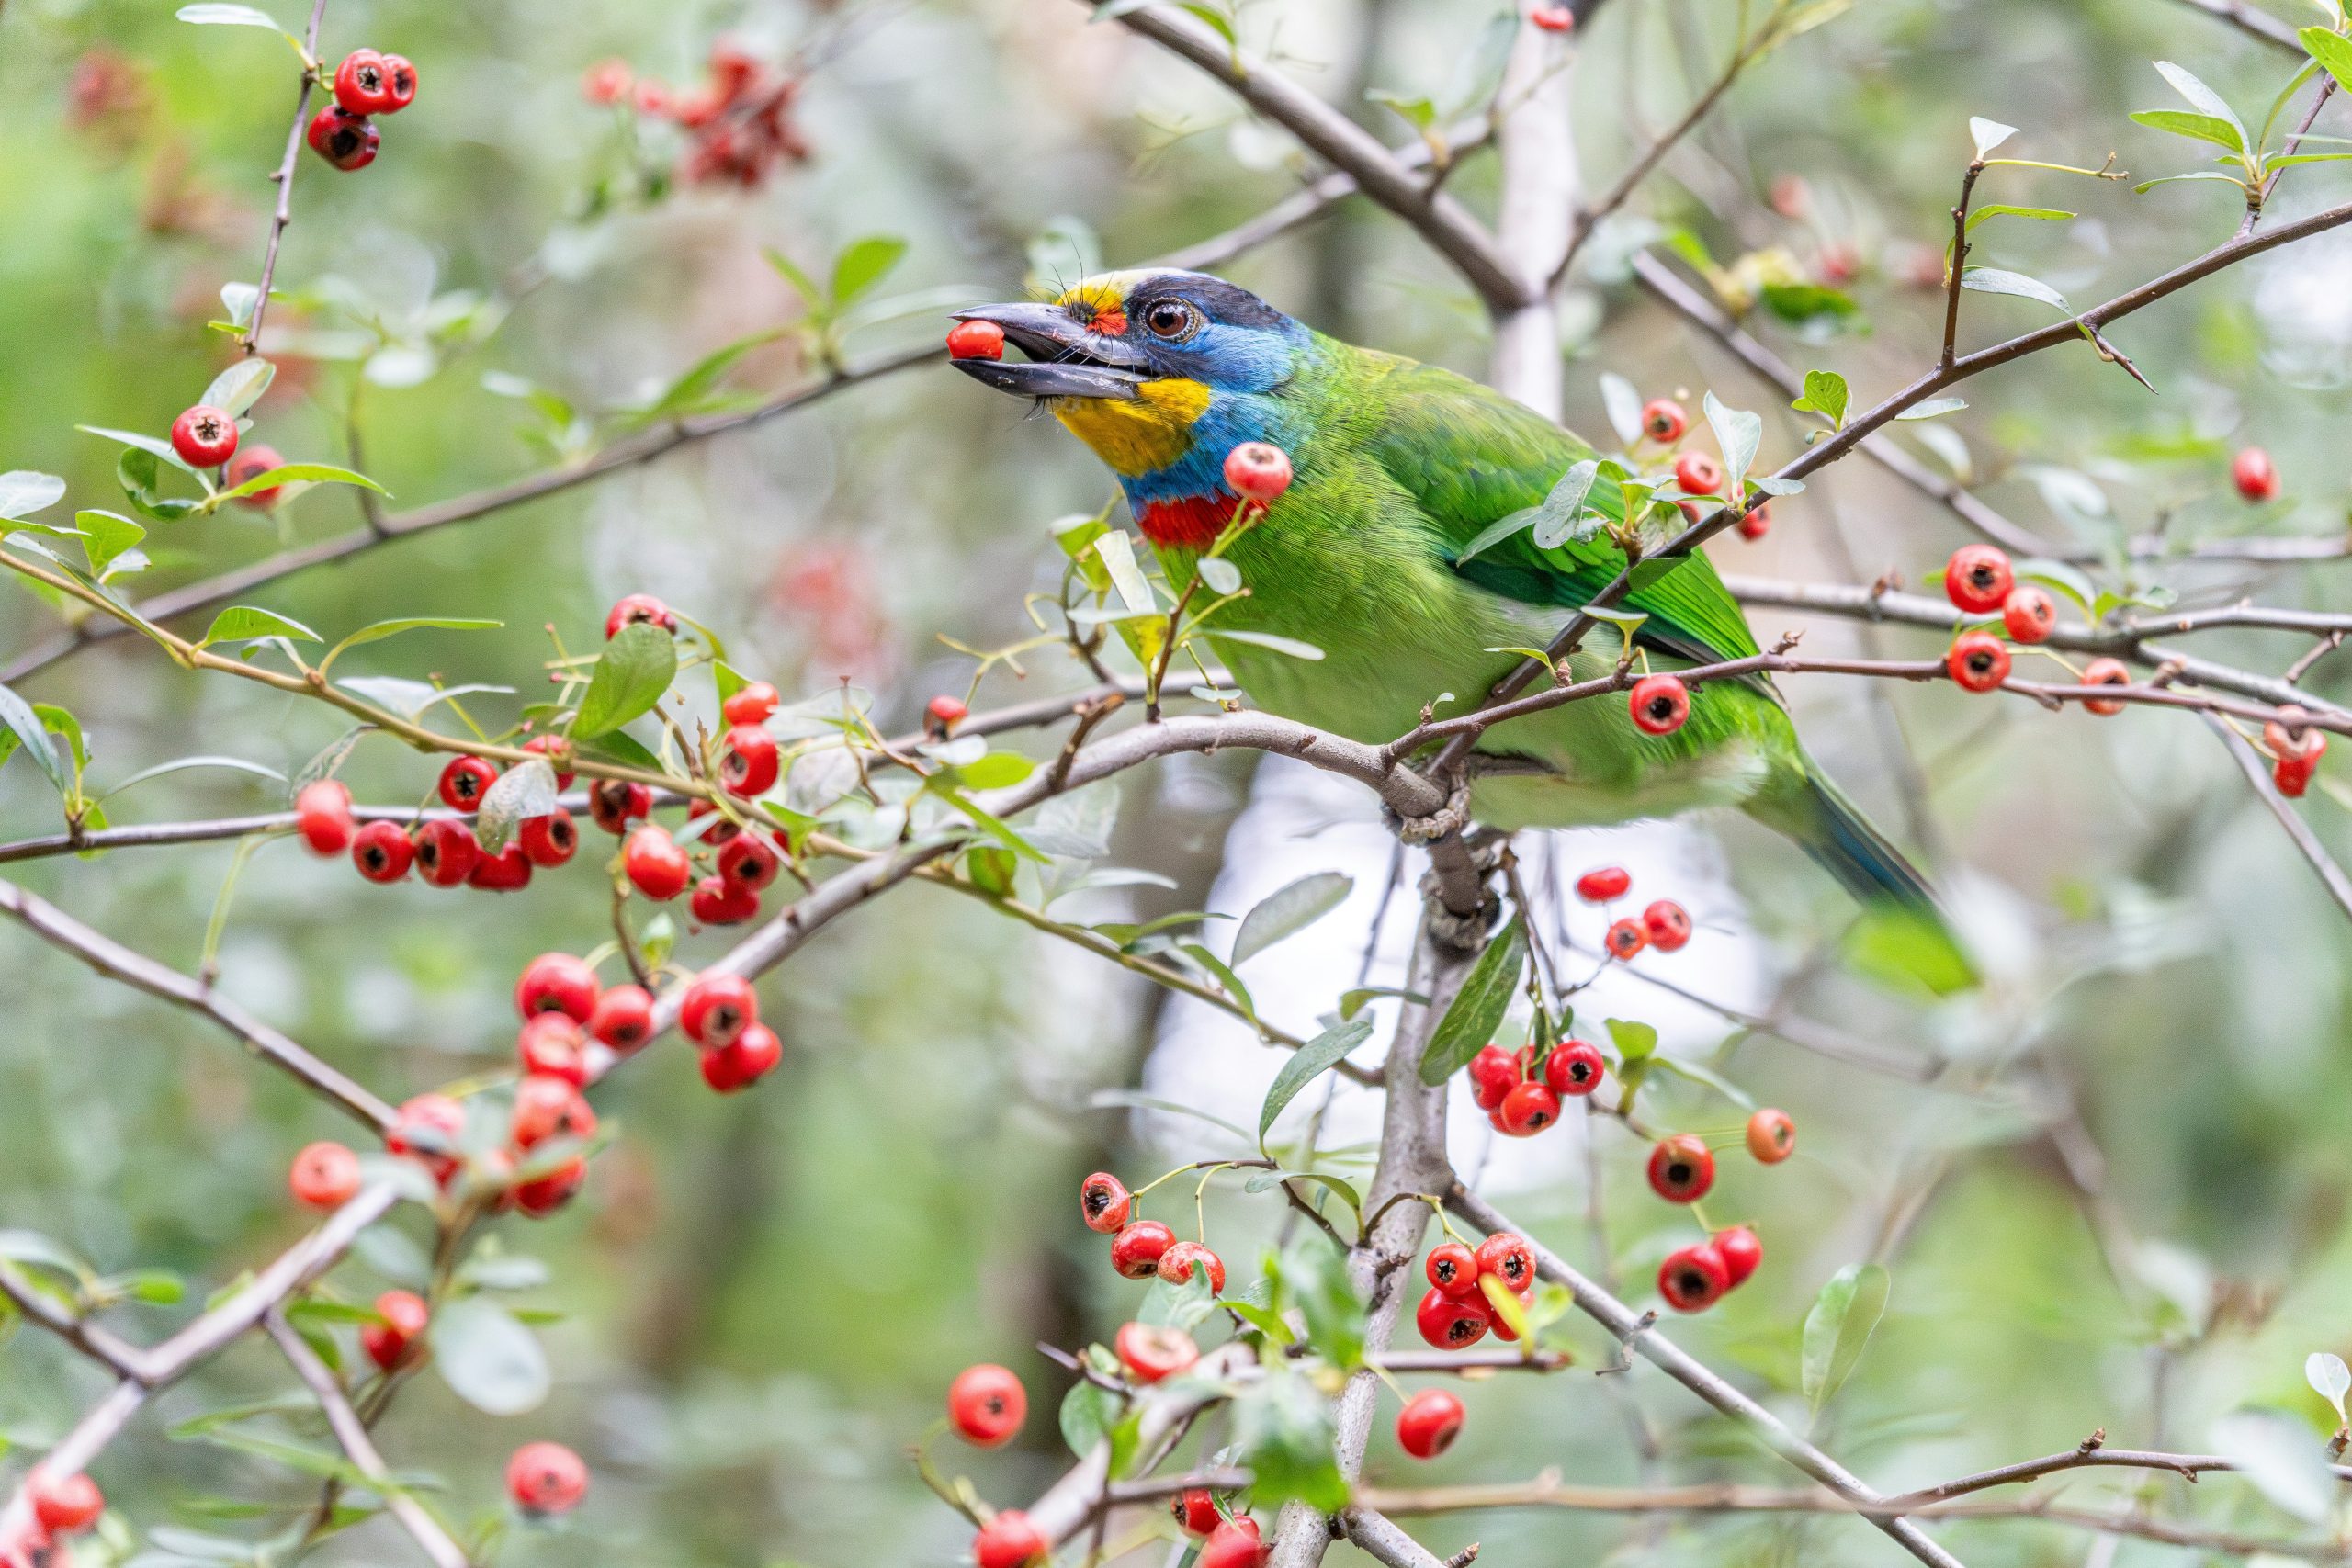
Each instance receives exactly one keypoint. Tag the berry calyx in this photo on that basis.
(613, 804)
(1104, 1204)
(361, 84)
(1681, 1168)
(1978, 578)
(557, 982)
(1008, 1540)
(640, 610)
(717, 1008)
(2106, 673)
(324, 1176)
(987, 1404)
(2255, 475)
(1136, 1250)
(204, 436)
(1256, 470)
(1430, 1422)
(345, 139)
(1626, 938)
(546, 1478)
(323, 815)
(1664, 421)
(1575, 1066)
(1179, 1262)
(381, 851)
(251, 463)
(1150, 1352)
(751, 704)
(548, 840)
(748, 864)
(551, 1045)
(1196, 1511)
(1695, 473)
(747, 760)
(1660, 704)
(64, 1504)
(401, 1319)
(1527, 1109)
(1604, 882)
(1667, 924)
(1452, 1321)
(1978, 662)
(1508, 1258)
(976, 340)
(1740, 1252)
(465, 781)
(1233, 1544)
(2029, 614)
(549, 1108)
(753, 1055)
(718, 902)
(622, 1018)
(1694, 1278)
(654, 863)
(446, 852)
(1772, 1137)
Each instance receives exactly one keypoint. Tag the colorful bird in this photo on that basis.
(1370, 556)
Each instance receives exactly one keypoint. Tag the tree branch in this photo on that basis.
(2257, 777)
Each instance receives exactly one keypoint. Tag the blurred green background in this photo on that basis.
(763, 1298)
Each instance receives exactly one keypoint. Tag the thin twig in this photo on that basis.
(2257, 776)
(283, 213)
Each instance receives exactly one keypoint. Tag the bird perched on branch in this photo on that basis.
(1381, 553)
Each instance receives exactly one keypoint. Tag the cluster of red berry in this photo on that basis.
(1468, 1287)
(1141, 1249)
(63, 1505)
(740, 121)
(366, 84)
(208, 437)
(1666, 422)
(1682, 1170)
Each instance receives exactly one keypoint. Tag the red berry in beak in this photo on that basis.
(976, 340)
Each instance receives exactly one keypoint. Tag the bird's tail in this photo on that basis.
(1904, 931)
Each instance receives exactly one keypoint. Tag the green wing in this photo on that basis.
(1472, 456)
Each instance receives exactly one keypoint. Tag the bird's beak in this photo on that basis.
(1065, 360)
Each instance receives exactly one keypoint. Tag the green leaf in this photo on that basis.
(105, 536)
(1089, 1412)
(1648, 572)
(2003, 209)
(1825, 394)
(1988, 134)
(2332, 49)
(1419, 113)
(2201, 97)
(1306, 1064)
(1353, 1002)
(24, 491)
(26, 725)
(244, 623)
(1494, 533)
(240, 386)
(1290, 645)
(216, 15)
(1220, 574)
(802, 284)
(632, 675)
(995, 771)
(863, 264)
(1839, 1329)
(1562, 516)
(1934, 408)
(1740, 433)
(1343, 1191)
(1992, 280)
(302, 473)
(2281, 1457)
(2146, 185)
(1282, 1427)
(522, 792)
(1478, 1008)
(1634, 1040)
(490, 1361)
(1622, 401)
(1287, 911)
(2198, 126)
(380, 630)
(2325, 1371)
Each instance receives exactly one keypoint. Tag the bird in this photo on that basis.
(1381, 557)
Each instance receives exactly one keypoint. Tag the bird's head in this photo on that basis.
(1148, 368)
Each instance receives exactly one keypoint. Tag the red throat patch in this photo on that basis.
(1188, 523)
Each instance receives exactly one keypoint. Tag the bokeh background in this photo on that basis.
(2110, 1190)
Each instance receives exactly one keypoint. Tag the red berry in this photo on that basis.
(717, 1008)
(607, 82)
(400, 77)
(545, 1195)
(944, 712)
(747, 760)
(1554, 19)
(613, 804)
(504, 871)
(360, 83)
(551, 1045)
(1009, 1541)
(2254, 474)
(1104, 1204)
(250, 463)
(548, 840)
(557, 982)
(987, 1404)
(1233, 1544)
(381, 851)
(1756, 521)
(750, 1057)
(1134, 1251)
(546, 1478)
(1507, 1257)
(1528, 1109)
(1978, 578)
(2106, 673)
(324, 1176)
(1695, 473)
(1150, 1352)
(751, 704)
(1453, 1269)
(323, 815)
(1256, 470)
(1494, 1073)
(557, 751)
(1600, 885)
(1667, 924)
(345, 139)
(1772, 1137)
(748, 864)
(66, 1505)
(1660, 704)
(639, 609)
(655, 864)
(204, 436)
(2294, 774)
(427, 1127)
(1178, 1263)
(1196, 1511)
(976, 340)
(716, 902)
(446, 852)
(465, 781)
(622, 1018)
(1427, 1424)
(1694, 1278)
(402, 1316)
(1979, 661)
(550, 1108)
(1626, 938)
(2029, 614)
(1741, 1253)
(1680, 1169)
(1452, 1323)
(1575, 1066)
(1664, 421)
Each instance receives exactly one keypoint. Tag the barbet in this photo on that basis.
(1399, 468)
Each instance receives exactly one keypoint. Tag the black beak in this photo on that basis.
(1066, 360)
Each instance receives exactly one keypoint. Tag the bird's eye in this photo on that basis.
(1171, 318)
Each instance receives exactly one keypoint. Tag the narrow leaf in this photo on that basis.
(1478, 1008)
(522, 792)
(1739, 433)
(24, 491)
(1992, 280)
(1988, 133)
(1839, 1329)
(243, 623)
(1310, 1062)
(1287, 911)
